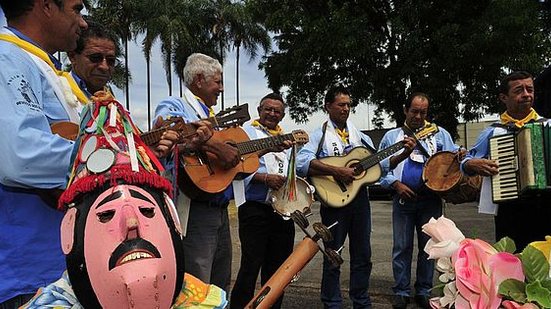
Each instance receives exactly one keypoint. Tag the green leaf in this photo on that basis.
(546, 283)
(535, 292)
(505, 244)
(534, 263)
(513, 289)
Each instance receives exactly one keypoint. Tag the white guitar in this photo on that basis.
(367, 171)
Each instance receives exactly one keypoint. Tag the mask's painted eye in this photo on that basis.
(106, 216)
(148, 212)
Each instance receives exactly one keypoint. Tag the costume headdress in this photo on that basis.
(120, 234)
(108, 149)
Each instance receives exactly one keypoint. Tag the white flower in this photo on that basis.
(444, 265)
(445, 237)
(450, 294)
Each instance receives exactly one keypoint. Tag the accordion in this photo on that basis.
(524, 159)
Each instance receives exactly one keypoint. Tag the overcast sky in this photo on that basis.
(253, 86)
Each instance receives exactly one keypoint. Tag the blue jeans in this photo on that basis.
(408, 218)
(354, 221)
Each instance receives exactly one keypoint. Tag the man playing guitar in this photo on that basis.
(336, 137)
(205, 221)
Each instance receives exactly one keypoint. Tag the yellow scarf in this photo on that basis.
(211, 110)
(277, 131)
(343, 134)
(506, 118)
(44, 57)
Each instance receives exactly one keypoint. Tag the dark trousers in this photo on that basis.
(266, 242)
(16, 301)
(524, 220)
(354, 222)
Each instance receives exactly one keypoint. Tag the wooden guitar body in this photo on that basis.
(66, 129)
(337, 194)
(204, 171)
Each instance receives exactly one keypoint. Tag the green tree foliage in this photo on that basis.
(455, 51)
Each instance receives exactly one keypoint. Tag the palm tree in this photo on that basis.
(248, 34)
(118, 16)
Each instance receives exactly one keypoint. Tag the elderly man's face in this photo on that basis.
(271, 113)
(96, 62)
(209, 88)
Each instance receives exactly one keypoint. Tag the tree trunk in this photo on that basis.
(148, 67)
(237, 75)
(126, 76)
(169, 72)
(222, 63)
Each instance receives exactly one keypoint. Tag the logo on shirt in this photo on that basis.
(26, 95)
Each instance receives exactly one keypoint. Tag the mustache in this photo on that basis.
(139, 246)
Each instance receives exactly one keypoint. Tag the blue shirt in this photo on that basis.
(412, 170)
(32, 157)
(81, 84)
(175, 106)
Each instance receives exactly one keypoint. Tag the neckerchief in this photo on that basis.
(208, 109)
(519, 123)
(343, 134)
(274, 132)
(33, 49)
(22, 36)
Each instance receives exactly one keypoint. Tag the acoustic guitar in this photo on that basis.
(234, 116)
(231, 117)
(335, 193)
(367, 170)
(202, 171)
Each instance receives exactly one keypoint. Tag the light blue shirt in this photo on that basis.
(444, 142)
(31, 156)
(308, 152)
(175, 106)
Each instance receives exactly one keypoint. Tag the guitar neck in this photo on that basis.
(263, 143)
(154, 136)
(372, 160)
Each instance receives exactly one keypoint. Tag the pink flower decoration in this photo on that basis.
(479, 270)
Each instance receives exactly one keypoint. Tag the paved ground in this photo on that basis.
(304, 293)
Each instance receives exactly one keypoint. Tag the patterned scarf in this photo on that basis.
(519, 123)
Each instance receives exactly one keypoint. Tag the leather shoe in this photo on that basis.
(422, 301)
(400, 302)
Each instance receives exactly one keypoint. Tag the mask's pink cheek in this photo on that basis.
(68, 230)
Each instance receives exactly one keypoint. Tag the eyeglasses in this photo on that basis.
(272, 110)
(98, 58)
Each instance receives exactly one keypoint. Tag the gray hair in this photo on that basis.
(200, 64)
